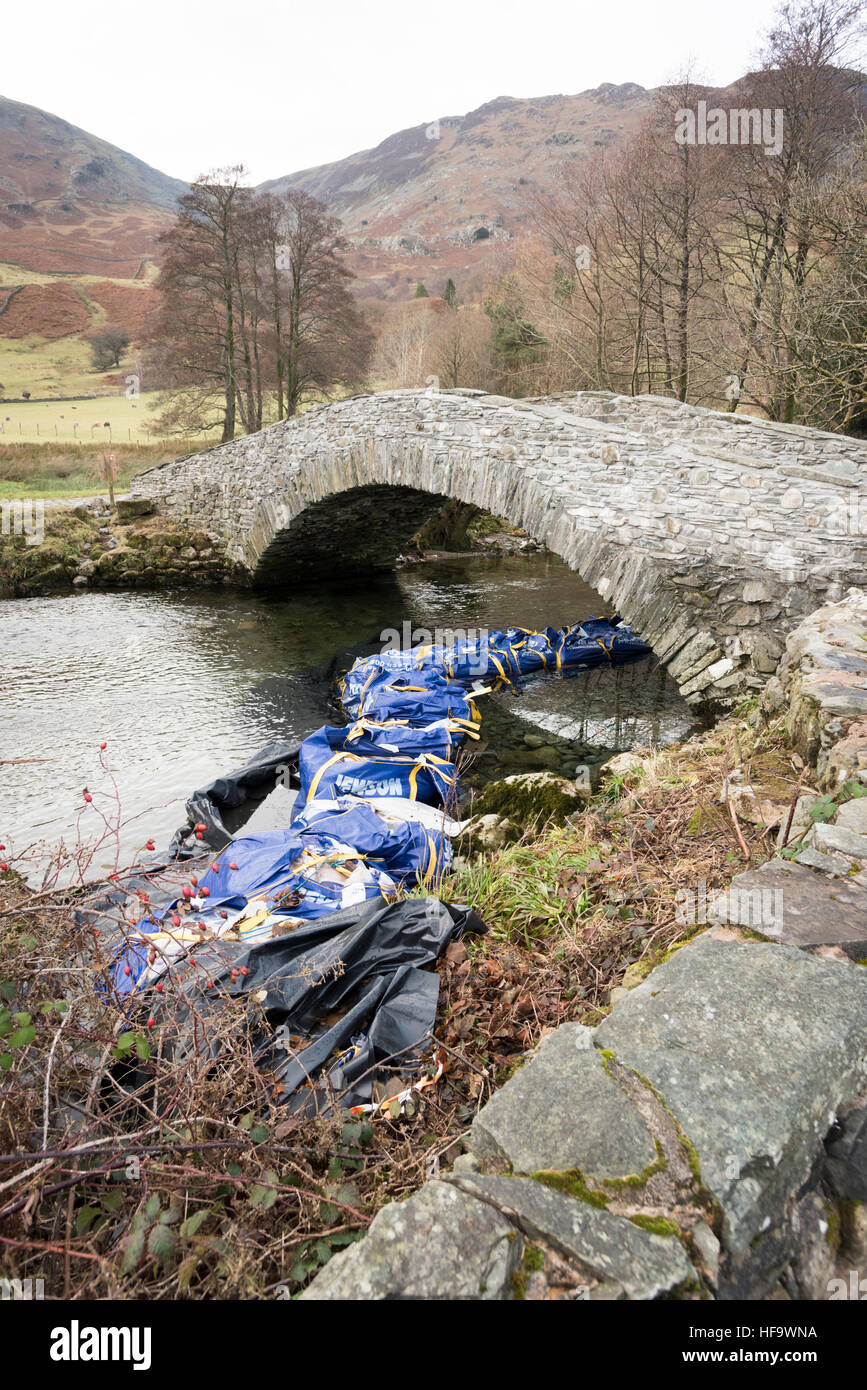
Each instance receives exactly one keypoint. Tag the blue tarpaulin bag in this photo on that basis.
(300, 873)
(420, 698)
(408, 851)
(396, 736)
(599, 641)
(325, 773)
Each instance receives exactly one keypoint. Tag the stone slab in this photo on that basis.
(610, 1247)
(838, 839)
(753, 1047)
(795, 906)
(562, 1110)
(441, 1243)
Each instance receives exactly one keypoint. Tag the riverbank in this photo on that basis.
(238, 1201)
(92, 546)
(197, 1186)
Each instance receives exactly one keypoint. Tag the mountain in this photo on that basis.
(434, 201)
(70, 203)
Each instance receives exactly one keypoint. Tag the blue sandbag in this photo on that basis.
(325, 773)
(420, 697)
(396, 737)
(408, 851)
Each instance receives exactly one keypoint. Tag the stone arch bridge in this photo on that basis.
(712, 533)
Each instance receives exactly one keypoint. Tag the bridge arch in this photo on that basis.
(712, 534)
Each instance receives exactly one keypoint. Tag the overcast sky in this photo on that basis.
(187, 85)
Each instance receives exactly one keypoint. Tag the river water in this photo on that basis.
(185, 686)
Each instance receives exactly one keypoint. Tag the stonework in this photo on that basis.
(714, 534)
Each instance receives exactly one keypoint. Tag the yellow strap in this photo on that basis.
(335, 758)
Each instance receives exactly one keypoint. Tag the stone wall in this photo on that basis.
(711, 533)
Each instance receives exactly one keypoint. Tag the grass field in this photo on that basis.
(105, 420)
(66, 470)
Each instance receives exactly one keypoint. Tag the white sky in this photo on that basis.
(188, 85)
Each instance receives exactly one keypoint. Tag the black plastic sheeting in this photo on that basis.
(370, 963)
(232, 798)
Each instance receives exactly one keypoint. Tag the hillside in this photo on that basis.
(70, 203)
(437, 199)
(79, 219)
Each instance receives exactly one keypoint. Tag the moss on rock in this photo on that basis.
(530, 800)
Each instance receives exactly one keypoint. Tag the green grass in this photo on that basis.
(81, 423)
(518, 891)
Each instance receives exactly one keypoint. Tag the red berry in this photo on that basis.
(204, 892)
(201, 825)
(244, 970)
(216, 868)
(150, 845)
(3, 868)
(176, 921)
(126, 970)
(233, 866)
(87, 796)
(151, 1022)
(199, 835)
(210, 984)
(103, 747)
(186, 892)
(2, 846)
(160, 987)
(224, 914)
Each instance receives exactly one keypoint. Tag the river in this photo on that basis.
(184, 686)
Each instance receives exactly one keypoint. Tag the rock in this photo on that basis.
(832, 864)
(790, 904)
(708, 1247)
(465, 1163)
(852, 815)
(837, 838)
(753, 1047)
(533, 741)
(854, 1233)
(87, 568)
(813, 1265)
(532, 798)
(80, 581)
(623, 763)
(487, 834)
(608, 1247)
(441, 1243)
(846, 1165)
(131, 508)
(757, 591)
(562, 1110)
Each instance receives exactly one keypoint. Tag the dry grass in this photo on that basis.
(128, 1173)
